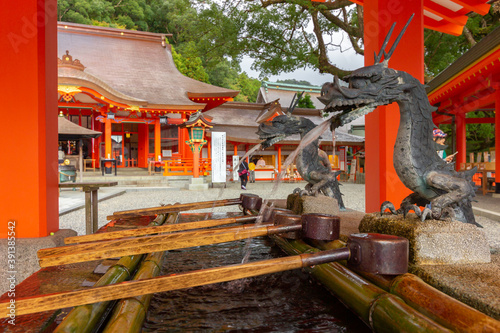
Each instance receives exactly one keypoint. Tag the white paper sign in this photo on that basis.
(236, 160)
(218, 157)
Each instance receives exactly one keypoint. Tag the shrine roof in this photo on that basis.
(270, 91)
(136, 64)
(469, 64)
(238, 120)
(447, 16)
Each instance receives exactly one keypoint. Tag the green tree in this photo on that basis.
(306, 102)
(248, 87)
(442, 49)
(298, 82)
(189, 63)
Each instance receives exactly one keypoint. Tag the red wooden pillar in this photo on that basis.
(382, 182)
(157, 144)
(143, 146)
(29, 168)
(461, 136)
(497, 139)
(107, 146)
(279, 158)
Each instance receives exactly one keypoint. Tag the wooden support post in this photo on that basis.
(461, 136)
(28, 172)
(497, 138)
(382, 182)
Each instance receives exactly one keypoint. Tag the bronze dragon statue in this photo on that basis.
(312, 163)
(417, 164)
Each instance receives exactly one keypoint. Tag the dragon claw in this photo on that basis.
(387, 205)
(426, 212)
(414, 208)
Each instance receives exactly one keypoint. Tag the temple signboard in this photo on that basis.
(218, 157)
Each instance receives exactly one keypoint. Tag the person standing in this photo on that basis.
(439, 139)
(243, 173)
(251, 167)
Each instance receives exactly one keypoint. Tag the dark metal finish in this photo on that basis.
(416, 162)
(274, 211)
(312, 163)
(251, 202)
(323, 257)
(283, 219)
(321, 227)
(378, 253)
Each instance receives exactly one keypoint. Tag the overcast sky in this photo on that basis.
(347, 60)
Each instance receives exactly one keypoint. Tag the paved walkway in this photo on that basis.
(70, 200)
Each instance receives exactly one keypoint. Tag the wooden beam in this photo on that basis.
(123, 247)
(157, 229)
(477, 6)
(445, 13)
(173, 208)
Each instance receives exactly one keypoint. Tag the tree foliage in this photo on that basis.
(306, 102)
(298, 82)
(279, 35)
(441, 49)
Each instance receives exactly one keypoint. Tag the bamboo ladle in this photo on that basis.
(374, 253)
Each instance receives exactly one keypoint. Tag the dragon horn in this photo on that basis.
(387, 56)
(294, 103)
(386, 41)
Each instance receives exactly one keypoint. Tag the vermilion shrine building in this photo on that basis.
(125, 84)
(29, 61)
(472, 83)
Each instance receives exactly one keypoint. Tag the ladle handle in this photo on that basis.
(323, 257)
(33, 304)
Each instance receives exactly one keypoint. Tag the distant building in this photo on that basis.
(270, 91)
(125, 84)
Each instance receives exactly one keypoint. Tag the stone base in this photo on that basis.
(309, 204)
(433, 242)
(26, 261)
(197, 184)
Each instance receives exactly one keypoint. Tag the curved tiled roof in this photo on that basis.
(77, 77)
(238, 120)
(136, 64)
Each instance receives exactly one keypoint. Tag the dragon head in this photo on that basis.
(282, 126)
(368, 87)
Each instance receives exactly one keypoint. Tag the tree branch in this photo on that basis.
(324, 64)
(468, 35)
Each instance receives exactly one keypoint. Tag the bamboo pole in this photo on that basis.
(426, 299)
(84, 318)
(157, 229)
(129, 313)
(381, 311)
(109, 249)
(172, 208)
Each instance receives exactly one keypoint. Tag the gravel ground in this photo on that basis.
(354, 198)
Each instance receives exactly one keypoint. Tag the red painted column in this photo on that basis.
(29, 168)
(157, 144)
(381, 126)
(143, 146)
(461, 139)
(497, 138)
(279, 158)
(157, 139)
(196, 160)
